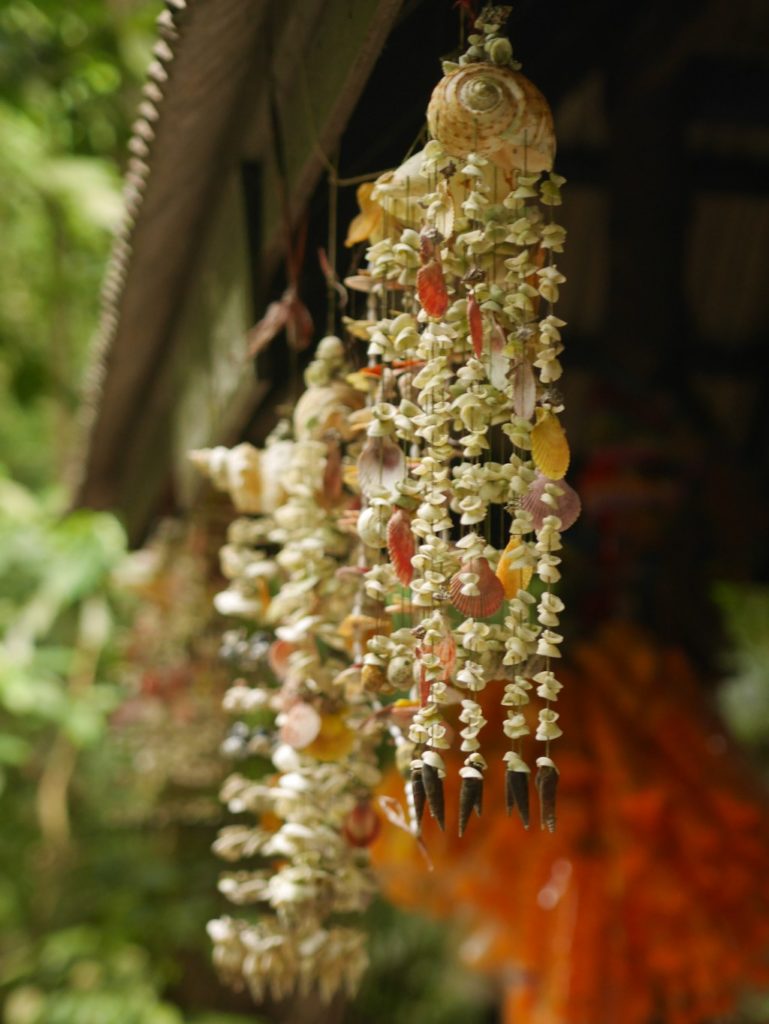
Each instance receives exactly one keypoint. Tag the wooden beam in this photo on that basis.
(232, 60)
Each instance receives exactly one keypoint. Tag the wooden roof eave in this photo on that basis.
(210, 60)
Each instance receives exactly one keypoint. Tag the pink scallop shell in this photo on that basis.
(381, 463)
(567, 506)
(491, 592)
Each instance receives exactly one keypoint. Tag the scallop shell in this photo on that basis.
(401, 545)
(549, 446)
(368, 221)
(567, 505)
(333, 741)
(381, 465)
(490, 594)
(511, 579)
(496, 112)
(300, 726)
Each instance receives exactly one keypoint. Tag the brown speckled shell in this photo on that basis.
(496, 112)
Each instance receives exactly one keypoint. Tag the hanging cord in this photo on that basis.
(331, 277)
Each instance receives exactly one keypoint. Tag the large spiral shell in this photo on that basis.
(481, 108)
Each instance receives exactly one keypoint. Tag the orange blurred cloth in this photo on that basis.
(651, 900)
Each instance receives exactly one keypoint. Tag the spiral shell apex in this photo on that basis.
(481, 108)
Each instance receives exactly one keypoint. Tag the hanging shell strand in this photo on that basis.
(463, 262)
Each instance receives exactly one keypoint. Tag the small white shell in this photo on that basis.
(372, 527)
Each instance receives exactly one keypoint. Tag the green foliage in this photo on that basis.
(69, 80)
(408, 980)
(744, 696)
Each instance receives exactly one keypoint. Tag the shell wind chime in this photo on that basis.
(461, 478)
(399, 548)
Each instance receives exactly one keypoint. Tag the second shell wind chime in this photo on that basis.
(403, 565)
(461, 475)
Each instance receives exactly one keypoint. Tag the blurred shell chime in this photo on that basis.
(399, 542)
(461, 477)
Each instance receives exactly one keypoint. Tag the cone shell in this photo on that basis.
(490, 594)
(517, 794)
(512, 579)
(547, 784)
(400, 545)
(549, 446)
(567, 505)
(470, 798)
(433, 786)
(418, 795)
(496, 112)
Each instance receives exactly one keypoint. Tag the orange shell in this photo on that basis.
(512, 580)
(475, 323)
(400, 545)
(491, 592)
(549, 446)
(431, 289)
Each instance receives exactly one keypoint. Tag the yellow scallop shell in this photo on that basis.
(368, 221)
(333, 741)
(511, 579)
(494, 111)
(549, 446)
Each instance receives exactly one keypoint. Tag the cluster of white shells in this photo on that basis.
(402, 540)
(463, 262)
(306, 817)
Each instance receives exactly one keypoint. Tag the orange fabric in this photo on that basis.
(651, 898)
